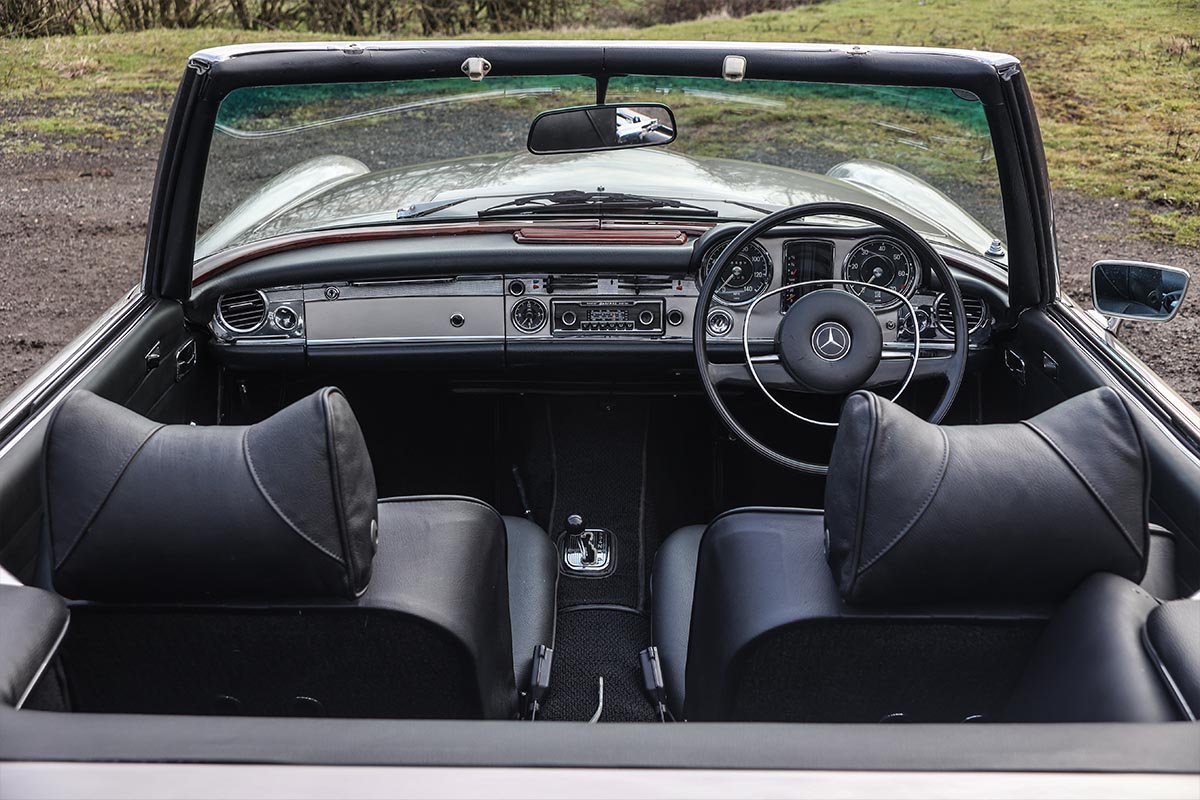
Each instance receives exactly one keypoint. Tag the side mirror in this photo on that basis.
(1138, 291)
(607, 127)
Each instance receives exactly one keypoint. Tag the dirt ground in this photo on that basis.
(72, 233)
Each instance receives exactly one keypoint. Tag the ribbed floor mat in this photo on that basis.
(591, 643)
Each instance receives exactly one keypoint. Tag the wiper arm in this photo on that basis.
(414, 210)
(576, 201)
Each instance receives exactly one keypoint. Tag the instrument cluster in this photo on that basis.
(874, 268)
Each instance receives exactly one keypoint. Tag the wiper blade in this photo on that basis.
(590, 202)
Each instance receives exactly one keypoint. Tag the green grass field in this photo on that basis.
(1117, 82)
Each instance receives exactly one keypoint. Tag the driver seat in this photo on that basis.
(924, 589)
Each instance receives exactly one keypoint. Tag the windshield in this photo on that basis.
(290, 159)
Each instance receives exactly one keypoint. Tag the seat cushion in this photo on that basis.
(487, 581)
(672, 584)
(779, 553)
(444, 560)
(1173, 641)
(1091, 663)
(532, 582)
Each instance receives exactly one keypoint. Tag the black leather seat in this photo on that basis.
(252, 570)
(924, 590)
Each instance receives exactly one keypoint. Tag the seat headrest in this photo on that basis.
(139, 511)
(985, 513)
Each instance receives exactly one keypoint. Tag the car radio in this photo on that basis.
(609, 317)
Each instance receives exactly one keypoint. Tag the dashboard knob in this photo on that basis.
(646, 317)
(719, 322)
(675, 317)
(457, 320)
(516, 288)
(285, 318)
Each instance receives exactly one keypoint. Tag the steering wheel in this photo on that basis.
(829, 341)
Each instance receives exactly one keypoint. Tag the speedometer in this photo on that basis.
(881, 262)
(746, 275)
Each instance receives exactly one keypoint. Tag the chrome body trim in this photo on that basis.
(213, 55)
(49, 779)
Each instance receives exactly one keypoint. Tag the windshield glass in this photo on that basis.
(289, 159)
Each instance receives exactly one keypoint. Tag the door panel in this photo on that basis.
(1175, 470)
(160, 389)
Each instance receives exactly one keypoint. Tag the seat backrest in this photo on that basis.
(1113, 653)
(237, 570)
(923, 592)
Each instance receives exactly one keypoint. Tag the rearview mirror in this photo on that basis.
(606, 127)
(1137, 290)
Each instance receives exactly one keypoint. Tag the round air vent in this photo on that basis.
(242, 312)
(943, 314)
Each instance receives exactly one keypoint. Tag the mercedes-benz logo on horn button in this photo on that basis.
(831, 341)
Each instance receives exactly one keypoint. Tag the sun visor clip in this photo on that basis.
(476, 68)
(734, 68)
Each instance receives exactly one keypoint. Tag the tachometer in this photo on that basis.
(882, 262)
(746, 275)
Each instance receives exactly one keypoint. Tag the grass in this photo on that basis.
(1116, 82)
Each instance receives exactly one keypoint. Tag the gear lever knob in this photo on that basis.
(575, 525)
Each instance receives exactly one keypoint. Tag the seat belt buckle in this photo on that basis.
(539, 678)
(652, 680)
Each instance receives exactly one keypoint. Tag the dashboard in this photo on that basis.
(516, 307)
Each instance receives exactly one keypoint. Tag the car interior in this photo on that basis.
(646, 470)
(236, 537)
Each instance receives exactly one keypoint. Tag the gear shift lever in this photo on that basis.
(586, 549)
(585, 538)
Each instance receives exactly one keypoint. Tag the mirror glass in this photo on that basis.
(1134, 290)
(607, 127)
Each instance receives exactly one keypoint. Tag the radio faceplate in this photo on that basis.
(606, 316)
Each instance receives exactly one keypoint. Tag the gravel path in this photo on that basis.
(73, 228)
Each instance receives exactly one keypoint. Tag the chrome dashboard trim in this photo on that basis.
(971, 330)
(403, 340)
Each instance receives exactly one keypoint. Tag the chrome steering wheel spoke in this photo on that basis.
(751, 362)
(881, 365)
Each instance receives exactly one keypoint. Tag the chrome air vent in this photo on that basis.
(655, 284)
(242, 312)
(943, 312)
(571, 283)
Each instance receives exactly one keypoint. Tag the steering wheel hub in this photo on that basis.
(829, 342)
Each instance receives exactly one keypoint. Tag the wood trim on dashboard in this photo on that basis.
(581, 231)
(648, 236)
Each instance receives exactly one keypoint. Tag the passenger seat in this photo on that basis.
(252, 570)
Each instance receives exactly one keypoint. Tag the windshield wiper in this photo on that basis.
(414, 210)
(591, 202)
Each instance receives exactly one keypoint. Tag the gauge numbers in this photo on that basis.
(745, 277)
(529, 315)
(881, 262)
